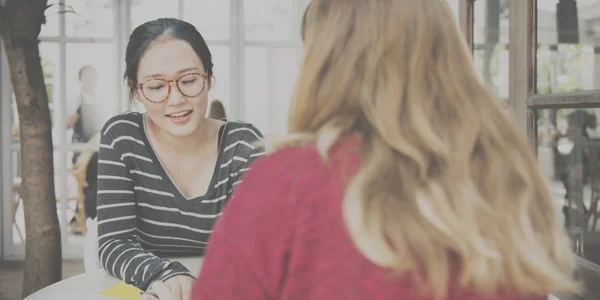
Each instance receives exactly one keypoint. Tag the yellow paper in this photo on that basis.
(123, 291)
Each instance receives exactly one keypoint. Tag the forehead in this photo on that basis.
(167, 57)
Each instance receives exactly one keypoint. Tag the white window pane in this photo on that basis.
(269, 80)
(18, 222)
(143, 11)
(212, 18)
(490, 22)
(100, 101)
(492, 66)
(49, 56)
(91, 18)
(490, 36)
(221, 89)
(51, 28)
(270, 19)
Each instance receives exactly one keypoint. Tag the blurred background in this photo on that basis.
(257, 51)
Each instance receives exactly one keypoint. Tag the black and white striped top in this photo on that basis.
(142, 216)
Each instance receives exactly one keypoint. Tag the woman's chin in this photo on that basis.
(182, 130)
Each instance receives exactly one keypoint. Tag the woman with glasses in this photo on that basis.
(164, 176)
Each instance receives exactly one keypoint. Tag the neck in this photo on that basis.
(182, 145)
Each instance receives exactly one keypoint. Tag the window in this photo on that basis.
(553, 96)
(272, 56)
(77, 34)
(268, 84)
(211, 18)
(147, 10)
(90, 18)
(490, 38)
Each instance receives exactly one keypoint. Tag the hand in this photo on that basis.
(176, 288)
(72, 119)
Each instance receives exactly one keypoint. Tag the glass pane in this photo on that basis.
(569, 157)
(81, 189)
(147, 10)
(18, 221)
(90, 18)
(92, 89)
(270, 19)
(490, 38)
(567, 55)
(53, 12)
(49, 57)
(211, 18)
(221, 89)
(14, 120)
(269, 80)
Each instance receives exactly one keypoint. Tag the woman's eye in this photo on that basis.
(156, 87)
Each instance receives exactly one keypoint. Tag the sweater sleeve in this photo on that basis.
(249, 248)
(119, 251)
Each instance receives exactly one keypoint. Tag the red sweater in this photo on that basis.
(282, 236)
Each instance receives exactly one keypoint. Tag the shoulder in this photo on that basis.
(242, 140)
(289, 178)
(304, 165)
(284, 162)
(123, 124)
(237, 130)
(345, 152)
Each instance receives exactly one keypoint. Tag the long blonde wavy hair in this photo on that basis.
(447, 180)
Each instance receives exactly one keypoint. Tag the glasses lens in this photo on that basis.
(191, 85)
(156, 90)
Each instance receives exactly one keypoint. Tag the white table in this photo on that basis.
(89, 285)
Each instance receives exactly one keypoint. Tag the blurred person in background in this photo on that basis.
(217, 110)
(402, 177)
(86, 121)
(88, 78)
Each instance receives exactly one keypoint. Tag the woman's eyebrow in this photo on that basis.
(158, 75)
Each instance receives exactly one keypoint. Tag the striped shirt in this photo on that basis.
(142, 215)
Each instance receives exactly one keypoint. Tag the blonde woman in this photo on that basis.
(403, 178)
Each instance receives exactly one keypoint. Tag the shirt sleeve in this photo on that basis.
(73, 104)
(248, 250)
(119, 251)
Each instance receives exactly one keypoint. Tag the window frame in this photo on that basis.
(523, 103)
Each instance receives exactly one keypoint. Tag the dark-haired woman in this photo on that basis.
(165, 175)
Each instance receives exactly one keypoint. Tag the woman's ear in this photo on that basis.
(136, 91)
(211, 81)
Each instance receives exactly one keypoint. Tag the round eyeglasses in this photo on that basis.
(157, 90)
